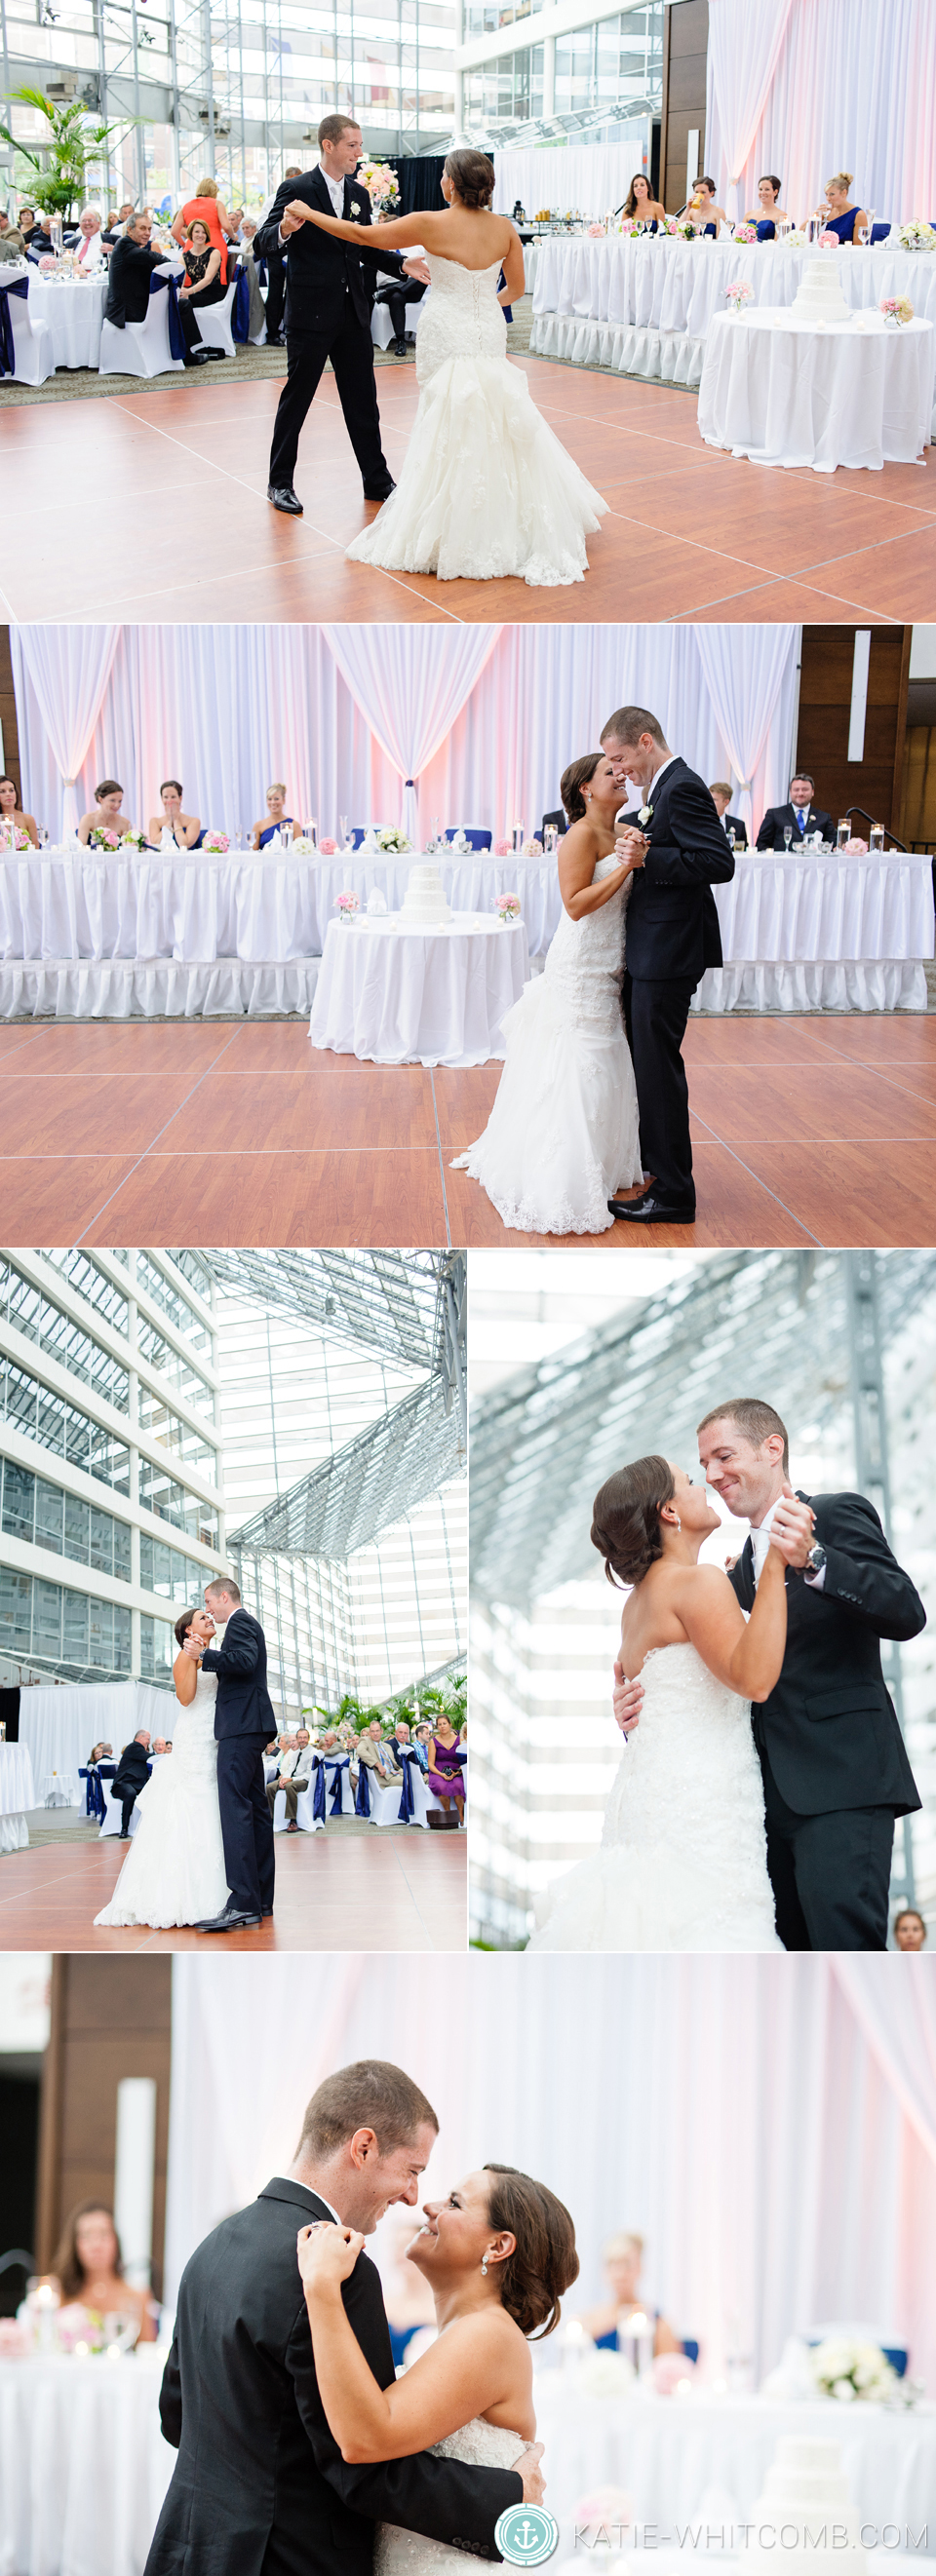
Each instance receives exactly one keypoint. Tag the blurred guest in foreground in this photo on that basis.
(88, 2267)
(909, 1929)
(622, 2256)
(11, 811)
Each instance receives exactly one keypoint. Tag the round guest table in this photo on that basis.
(665, 2451)
(392, 995)
(782, 391)
(823, 932)
(83, 2464)
(17, 1796)
(74, 310)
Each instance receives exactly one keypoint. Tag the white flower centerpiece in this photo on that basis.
(917, 235)
(846, 2368)
(397, 842)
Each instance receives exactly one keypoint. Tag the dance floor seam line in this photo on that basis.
(435, 1112)
(128, 1176)
(732, 1150)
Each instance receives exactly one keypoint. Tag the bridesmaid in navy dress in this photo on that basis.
(838, 215)
(771, 211)
(276, 815)
(622, 2256)
(704, 215)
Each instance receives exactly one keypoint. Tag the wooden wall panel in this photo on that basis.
(110, 2018)
(824, 711)
(685, 45)
(10, 760)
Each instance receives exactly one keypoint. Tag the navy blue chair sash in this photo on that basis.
(318, 1796)
(340, 1762)
(407, 1800)
(19, 286)
(176, 342)
(362, 1798)
(240, 309)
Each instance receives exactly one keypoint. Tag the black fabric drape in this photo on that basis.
(10, 1713)
(420, 190)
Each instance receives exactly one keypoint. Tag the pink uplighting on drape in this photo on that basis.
(851, 86)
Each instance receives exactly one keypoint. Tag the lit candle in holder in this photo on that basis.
(636, 2337)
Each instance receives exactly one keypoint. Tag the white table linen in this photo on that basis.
(782, 392)
(665, 2451)
(391, 995)
(17, 1795)
(74, 313)
(827, 932)
(83, 2465)
(644, 306)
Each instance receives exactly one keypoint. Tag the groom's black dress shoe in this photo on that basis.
(651, 1209)
(382, 495)
(230, 1922)
(284, 498)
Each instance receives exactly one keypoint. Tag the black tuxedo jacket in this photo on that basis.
(132, 1770)
(259, 2484)
(829, 1729)
(243, 1705)
(319, 267)
(734, 823)
(672, 929)
(128, 282)
(770, 836)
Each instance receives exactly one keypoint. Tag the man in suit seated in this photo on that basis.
(293, 1773)
(377, 1756)
(132, 265)
(399, 1742)
(720, 794)
(799, 817)
(130, 1777)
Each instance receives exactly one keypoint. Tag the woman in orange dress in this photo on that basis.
(205, 208)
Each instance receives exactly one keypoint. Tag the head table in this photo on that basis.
(644, 306)
(86, 934)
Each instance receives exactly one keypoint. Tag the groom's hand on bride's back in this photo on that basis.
(628, 1698)
(528, 2468)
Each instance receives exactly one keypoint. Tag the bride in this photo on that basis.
(563, 1136)
(683, 1858)
(174, 1870)
(485, 487)
(499, 2254)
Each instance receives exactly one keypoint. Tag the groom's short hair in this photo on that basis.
(333, 127)
(371, 2094)
(757, 1420)
(223, 1583)
(628, 725)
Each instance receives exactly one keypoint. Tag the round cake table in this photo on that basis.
(782, 391)
(83, 2464)
(17, 1796)
(390, 994)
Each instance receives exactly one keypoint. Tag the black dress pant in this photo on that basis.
(246, 1823)
(347, 342)
(656, 1016)
(396, 298)
(830, 1874)
(276, 292)
(188, 305)
(127, 1804)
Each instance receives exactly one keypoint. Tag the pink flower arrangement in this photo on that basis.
(507, 907)
(745, 232)
(46, 263)
(102, 838)
(604, 2511)
(14, 2341)
(856, 849)
(596, 232)
(328, 849)
(672, 2371)
(896, 308)
(829, 240)
(217, 842)
(503, 849)
(739, 293)
(348, 903)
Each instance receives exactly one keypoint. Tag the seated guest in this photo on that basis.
(399, 1741)
(185, 828)
(130, 1777)
(161, 1744)
(200, 285)
(132, 266)
(11, 810)
(799, 817)
(771, 211)
(276, 272)
(422, 1737)
(90, 244)
(4, 222)
(909, 1929)
(276, 816)
(640, 205)
(838, 214)
(622, 2256)
(293, 1773)
(26, 223)
(396, 294)
(702, 212)
(116, 225)
(720, 794)
(106, 813)
(205, 208)
(377, 1756)
(445, 1775)
(42, 238)
(12, 247)
(88, 2267)
(99, 1753)
(246, 230)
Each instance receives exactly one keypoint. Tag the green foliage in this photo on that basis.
(435, 1700)
(58, 170)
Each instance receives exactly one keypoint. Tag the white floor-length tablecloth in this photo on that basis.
(60, 1721)
(665, 2451)
(782, 392)
(74, 311)
(643, 306)
(17, 1796)
(823, 933)
(391, 995)
(83, 2465)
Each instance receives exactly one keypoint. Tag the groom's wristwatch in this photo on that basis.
(816, 1558)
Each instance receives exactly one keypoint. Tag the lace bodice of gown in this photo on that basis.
(193, 1735)
(409, 2553)
(462, 318)
(585, 962)
(683, 1858)
(174, 1870)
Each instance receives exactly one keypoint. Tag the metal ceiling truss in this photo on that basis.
(775, 1324)
(378, 1479)
(394, 1304)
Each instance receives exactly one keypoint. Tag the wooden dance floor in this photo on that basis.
(172, 522)
(387, 1890)
(805, 1131)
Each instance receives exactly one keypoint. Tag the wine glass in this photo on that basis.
(862, 236)
(731, 837)
(787, 835)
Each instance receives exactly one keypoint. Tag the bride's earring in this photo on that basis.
(484, 2261)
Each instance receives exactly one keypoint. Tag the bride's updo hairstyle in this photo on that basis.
(545, 2263)
(626, 1519)
(183, 1624)
(572, 782)
(472, 175)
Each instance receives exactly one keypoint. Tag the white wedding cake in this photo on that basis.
(425, 902)
(819, 296)
(805, 2490)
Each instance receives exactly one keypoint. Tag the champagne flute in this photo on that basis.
(787, 835)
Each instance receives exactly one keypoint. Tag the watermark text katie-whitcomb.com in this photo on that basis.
(733, 2537)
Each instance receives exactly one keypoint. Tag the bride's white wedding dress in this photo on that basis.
(174, 1870)
(485, 488)
(682, 1863)
(409, 2553)
(563, 1134)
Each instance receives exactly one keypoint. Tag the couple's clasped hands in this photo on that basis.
(194, 1647)
(630, 848)
(792, 1532)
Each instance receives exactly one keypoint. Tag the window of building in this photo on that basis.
(157, 1651)
(177, 1366)
(46, 1624)
(55, 1333)
(163, 1569)
(170, 1299)
(88, 1281)
(33, 1509)
(56, 1424)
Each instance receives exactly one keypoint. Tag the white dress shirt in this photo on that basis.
(760, 1542)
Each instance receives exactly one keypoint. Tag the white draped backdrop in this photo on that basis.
(483, 718)
(809, 87)
(768, 2125)
(590, 179)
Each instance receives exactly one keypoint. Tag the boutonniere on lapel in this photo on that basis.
(644, 815)
(354, 210)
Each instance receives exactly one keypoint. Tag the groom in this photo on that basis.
(672, 936)
(832, 1756)
(244, 1725)
(328, 309)
(260, 2487)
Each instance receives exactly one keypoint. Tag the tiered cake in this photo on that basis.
(819, 296)
(805, 2491)
(425, 904)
